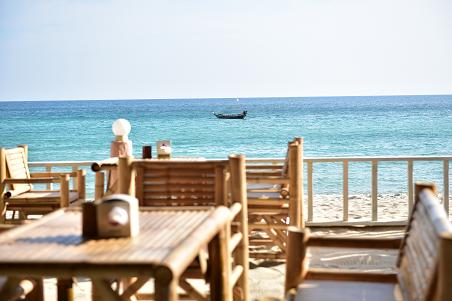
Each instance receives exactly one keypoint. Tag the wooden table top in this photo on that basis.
(169, 238)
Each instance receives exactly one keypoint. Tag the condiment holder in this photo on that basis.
(111, 217)
(164, 149)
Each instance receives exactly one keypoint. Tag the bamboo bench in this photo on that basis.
(21, 197)
(424, 265)
(195, 184)
(274, 201)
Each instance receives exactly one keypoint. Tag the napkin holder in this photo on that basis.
(111, 217)
(164, 149)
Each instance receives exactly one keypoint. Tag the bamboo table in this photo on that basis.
(169, 241)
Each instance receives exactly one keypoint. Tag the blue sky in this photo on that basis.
(117, 49)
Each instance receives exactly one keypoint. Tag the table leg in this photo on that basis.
(165, 285)
(102, 290)
(37, 294)
(220, 266)
(15, 287)
(65, 290)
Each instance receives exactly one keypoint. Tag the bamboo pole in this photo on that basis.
(165, 285)
(310, 192)
(125, 175)
(65, 291)
(374, 190)
(296, 185)
(81, 184)
(446, 185)
(99, 185)
(64, 191)
(2, 165)
(410, 185)
(296, 252)
(445, 269)
(238, 192)
(49, 169)
(75, 179)
(220, 267)
(2, 185)
(345, 190)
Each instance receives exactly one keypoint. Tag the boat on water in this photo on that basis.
(230, 116)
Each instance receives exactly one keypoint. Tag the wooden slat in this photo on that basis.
(267, 180)
(349, 242)
(349, 275)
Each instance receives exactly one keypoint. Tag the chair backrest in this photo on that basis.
(16, 163)
(419, 253)
(196, 183)
(278, 187)
(179, 183)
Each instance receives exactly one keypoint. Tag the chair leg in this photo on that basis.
(65, 290)
(37, 294)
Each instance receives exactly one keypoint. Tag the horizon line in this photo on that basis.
(209, 98)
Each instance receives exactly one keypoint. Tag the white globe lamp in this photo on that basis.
(121, 129)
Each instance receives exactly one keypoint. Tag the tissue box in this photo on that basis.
(113, 216)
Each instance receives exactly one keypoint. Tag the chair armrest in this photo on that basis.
(31, 180)
(110, 163)
(45, 174)
(353, 242)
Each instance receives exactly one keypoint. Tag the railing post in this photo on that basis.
(296, 184)
(49, 169)
(125, 175)
(345, 190)
(310, 192)
(410, 185)
(446, 185)
(99, 185)
(374, 190)
(238, 182)
(74, 179)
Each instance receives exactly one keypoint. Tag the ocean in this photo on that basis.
(331, 126)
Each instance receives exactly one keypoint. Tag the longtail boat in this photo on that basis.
(230, 116)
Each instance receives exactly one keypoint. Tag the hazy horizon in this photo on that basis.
(103, 50)
(220, 98)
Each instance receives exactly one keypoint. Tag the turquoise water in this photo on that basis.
(331, 126)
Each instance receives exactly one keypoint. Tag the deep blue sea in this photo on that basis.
(331, 126)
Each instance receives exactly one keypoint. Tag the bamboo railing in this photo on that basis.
(310, 163)
(50, 166)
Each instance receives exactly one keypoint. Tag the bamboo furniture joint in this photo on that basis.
(424, 265)
(275, 191)
(182, 184)
(21, 197)
(168, 242)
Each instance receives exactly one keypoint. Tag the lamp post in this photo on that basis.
(120, 147)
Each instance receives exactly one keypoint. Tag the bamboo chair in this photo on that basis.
(424, 265)
(197, 183)
(20, 196)
(274, 202)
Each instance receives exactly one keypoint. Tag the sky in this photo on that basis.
(118, 49)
